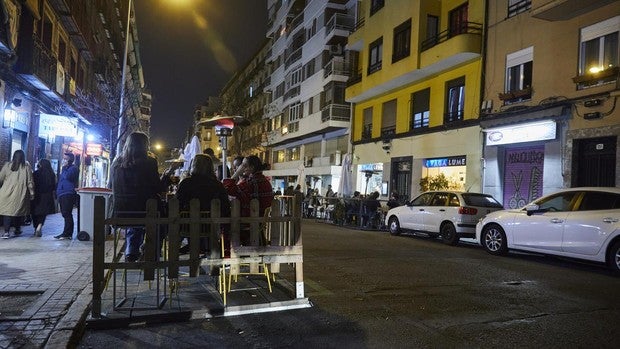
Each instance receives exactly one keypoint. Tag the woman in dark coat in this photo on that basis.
(135, 180)
(44, 187)
(202, 184)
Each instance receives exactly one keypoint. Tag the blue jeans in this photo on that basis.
(133, 239)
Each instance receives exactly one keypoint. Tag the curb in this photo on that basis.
(70, 328)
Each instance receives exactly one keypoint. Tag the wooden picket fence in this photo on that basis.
(275, 238)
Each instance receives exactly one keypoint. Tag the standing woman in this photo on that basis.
(43, 203)
(16, 192)
(135, 180)
(67, 196)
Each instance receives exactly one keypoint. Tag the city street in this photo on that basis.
(370, 289)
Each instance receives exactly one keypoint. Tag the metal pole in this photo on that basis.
(121, 112)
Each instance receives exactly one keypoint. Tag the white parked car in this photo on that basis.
(451, 214)
(578, 223)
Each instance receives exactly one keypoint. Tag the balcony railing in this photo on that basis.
(41, 66)
(295, 23)
(292, 92)
(339, 21)
(337, 66)
(355, 77)
(293, 57)
(465, 28)
(336, 112)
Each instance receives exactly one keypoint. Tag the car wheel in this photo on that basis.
(613, 257)
(448, 233)
(394, 226)
(494, 240)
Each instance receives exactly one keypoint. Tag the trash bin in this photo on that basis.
(87, 207)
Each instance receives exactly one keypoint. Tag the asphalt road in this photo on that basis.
(373, 290)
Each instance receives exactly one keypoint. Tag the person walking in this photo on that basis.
(43, 203)
(16, 191)
(67, 196)
(135, 180)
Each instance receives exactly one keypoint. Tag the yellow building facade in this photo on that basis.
(416, 96)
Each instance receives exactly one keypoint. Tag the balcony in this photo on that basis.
(292, 92)
(292, 58)
(452, 47)
(37, 64)
(339, 26)
(562, 10)
(336, 112)
(597, 78)
(337, 66)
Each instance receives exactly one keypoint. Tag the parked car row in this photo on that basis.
(581, 223)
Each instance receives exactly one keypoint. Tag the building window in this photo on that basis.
(599, 52)
(376, 5)
(420, 110)
(388, 119)
(294, 112)
(455, 100)
(279, 91)
(518, 76)
(432, 29)
(458, 20)
(402, 41)
(375, 51)
(367, 131)
(517, 6)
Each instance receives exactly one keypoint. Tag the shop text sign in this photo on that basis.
(57, 125)
(94, 149)
(445, 162)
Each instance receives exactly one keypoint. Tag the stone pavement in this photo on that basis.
(44, 287)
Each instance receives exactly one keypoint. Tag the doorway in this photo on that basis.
(596, 162)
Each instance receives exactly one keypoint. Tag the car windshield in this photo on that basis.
(480, 200)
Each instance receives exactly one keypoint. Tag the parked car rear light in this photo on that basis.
(468, 210)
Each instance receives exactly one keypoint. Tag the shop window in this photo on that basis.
(598, 56)
(375, 51)
(518, 6)
(455, 100)
(518, 76)
(420, 111)
(402, 41)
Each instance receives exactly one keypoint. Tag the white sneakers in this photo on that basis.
(6, 235)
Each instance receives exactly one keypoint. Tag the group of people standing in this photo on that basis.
(135, 179)
(24, 193)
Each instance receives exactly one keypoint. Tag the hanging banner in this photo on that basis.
(523, 175)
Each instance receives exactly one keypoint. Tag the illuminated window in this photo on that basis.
(599, 47)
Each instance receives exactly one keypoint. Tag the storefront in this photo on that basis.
(446, 173)
(523, 161)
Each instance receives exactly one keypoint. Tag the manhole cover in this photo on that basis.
(15, 304)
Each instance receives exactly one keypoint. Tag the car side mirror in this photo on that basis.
(409, 203)
(531, 209)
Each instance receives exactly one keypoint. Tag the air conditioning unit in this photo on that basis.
(335, 49)
(307, 161)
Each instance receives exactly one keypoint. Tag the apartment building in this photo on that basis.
(60, 76)
(416, 90)
(307, 120)
(551, 84)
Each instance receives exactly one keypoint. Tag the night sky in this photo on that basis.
(189, 51)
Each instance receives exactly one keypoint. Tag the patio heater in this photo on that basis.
(223, 128)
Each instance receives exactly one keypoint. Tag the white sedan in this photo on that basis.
(577, 223)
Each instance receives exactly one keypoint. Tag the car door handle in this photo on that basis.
(421, 209)
(442, 210)
(610, 220)
(556, 220)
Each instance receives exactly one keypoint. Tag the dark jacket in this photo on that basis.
(205, 189)
(134, 185)
(44, 186)
(68, 180)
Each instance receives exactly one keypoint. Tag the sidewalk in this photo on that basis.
(42, 282)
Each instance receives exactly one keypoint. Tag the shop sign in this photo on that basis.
(460, 160)
(371, 167)
(21, 121)
(528, 132)
(94, 149)
(57, 125)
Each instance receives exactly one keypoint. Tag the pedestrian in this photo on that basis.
(255, 186)
(135, 180)
(16, 191)
(44, 192)
(393, 200)
(66, 194)
(202, 184)
(329, 192)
